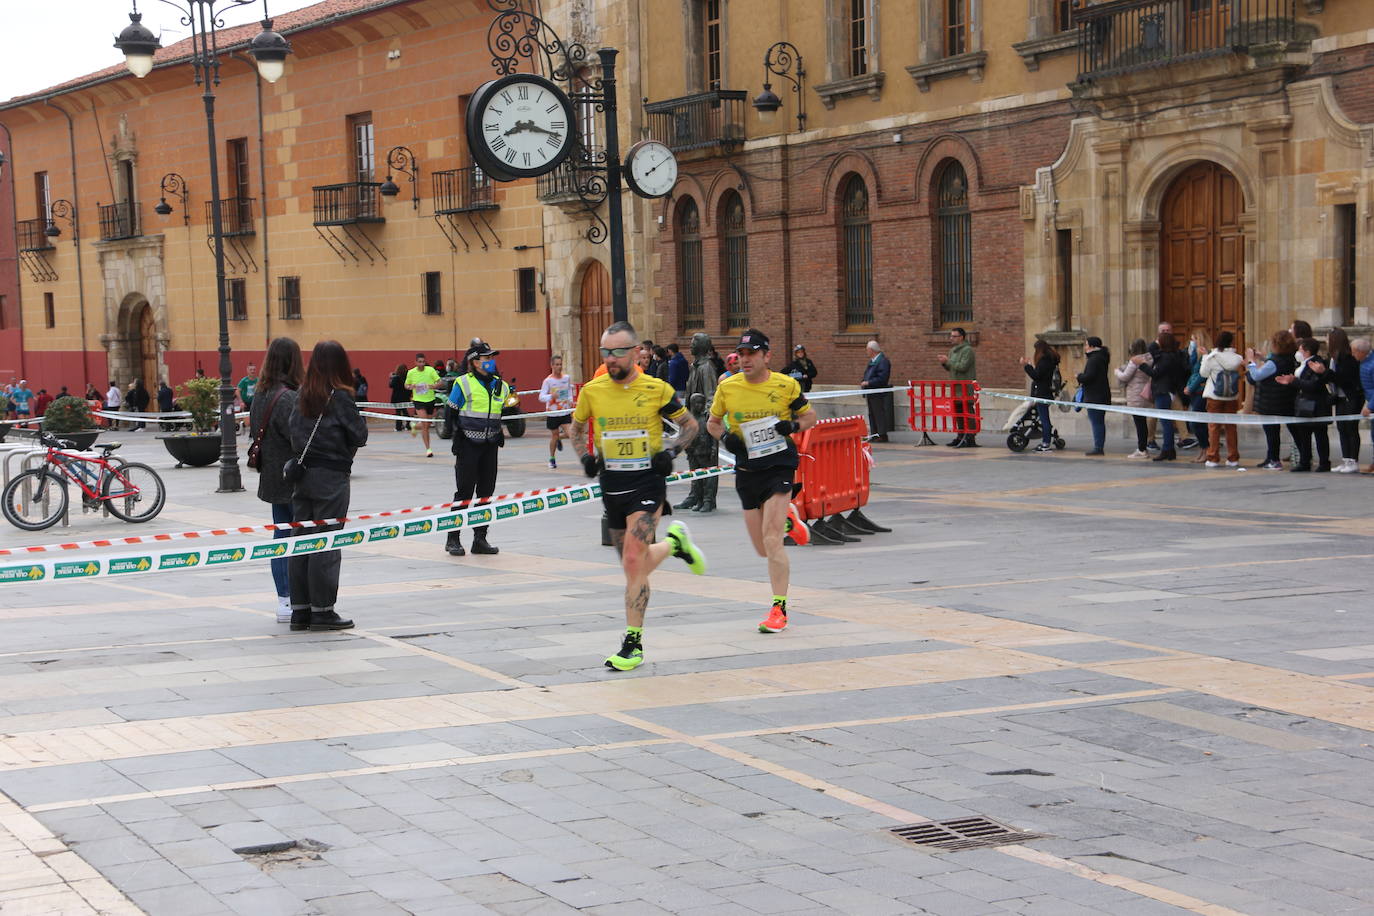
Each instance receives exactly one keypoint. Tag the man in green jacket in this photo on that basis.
(962, 366)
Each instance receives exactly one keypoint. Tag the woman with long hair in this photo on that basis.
(326, 432)
(1040, 367)
(269, 425)
(1168, 375)
(1271, 397)
(400, 395)
(1129, 376)
(1345, 370)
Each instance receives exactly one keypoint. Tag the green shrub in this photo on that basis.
(200, 396)
(67, 415)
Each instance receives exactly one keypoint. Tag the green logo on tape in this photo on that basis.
(267, 550)
(582, 495)
(309, 546)
(75, 570)
(384, 533)
(130, 564)
(21, 573)
(510, 511)
(448, 522)
(180, 560)
(479, 516)
(347, 540)
(558, 499)
(532, 505)
(424, 527)
(224, 555)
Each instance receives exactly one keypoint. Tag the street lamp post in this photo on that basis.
(784, 60)
(269, 49)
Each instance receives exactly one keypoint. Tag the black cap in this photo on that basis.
(478, 349)
(752, 339)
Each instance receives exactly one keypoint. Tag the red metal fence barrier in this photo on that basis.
(944, 406)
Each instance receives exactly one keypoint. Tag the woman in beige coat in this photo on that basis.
(1136, 383)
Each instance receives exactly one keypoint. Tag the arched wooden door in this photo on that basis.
(145, 350)
(1202, 253)
(594, 314)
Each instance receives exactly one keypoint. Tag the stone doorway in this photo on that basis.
(594, 314)
(1202, 253)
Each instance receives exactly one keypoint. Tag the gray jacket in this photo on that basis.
(276, 442)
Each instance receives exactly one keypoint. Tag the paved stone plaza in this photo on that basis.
(1165, 672)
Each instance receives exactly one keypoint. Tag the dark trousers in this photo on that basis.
(1303, 434)
(1142, 433)
(314, 577)
(1046, 428)
(1349, 430)
(474, 472)
(1197, 404)
(400, 408)
(1098, 421)
(880, 413)
(281, 512)
(1272, 438)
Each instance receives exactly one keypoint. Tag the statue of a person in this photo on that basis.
(702, 451)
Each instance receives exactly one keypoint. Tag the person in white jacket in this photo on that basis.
(556, 394)
(1221, 369)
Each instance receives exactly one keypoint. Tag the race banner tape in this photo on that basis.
(141, 562)
(1184, 416)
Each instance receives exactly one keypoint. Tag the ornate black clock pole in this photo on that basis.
(620, 305)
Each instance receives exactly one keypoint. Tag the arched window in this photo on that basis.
(953, 246)
(691, 308)
(858, 254)
(735, 263)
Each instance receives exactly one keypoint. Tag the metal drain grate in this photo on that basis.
(962, 833)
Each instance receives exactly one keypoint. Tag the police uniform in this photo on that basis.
(477, 434)
(627, 420)
(752, 412)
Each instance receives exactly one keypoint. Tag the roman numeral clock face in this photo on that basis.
(519, 126)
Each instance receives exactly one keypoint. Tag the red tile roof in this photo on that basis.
(228, 39)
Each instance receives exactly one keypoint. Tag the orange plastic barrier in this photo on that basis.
(944, 406)
(834, 469)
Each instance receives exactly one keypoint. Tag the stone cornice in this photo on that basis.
(869, 83)
(971, 64)
(1033, 49)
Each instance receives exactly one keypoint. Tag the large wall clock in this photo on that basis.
(519, 126)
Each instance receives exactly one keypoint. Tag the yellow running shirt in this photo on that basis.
(750, 411)
(627, 418)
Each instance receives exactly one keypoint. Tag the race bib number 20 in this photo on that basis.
(625, 449)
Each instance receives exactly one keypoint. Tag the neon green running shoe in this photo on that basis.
(630, 656)
(684, 549)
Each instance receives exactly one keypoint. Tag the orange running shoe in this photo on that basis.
(776, 621)
(795, 527)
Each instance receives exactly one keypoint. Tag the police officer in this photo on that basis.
(476, 399)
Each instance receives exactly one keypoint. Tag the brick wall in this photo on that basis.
(1352, 79)
(999, 154)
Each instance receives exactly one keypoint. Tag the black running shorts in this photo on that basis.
(755, 487)
(557, 421)
(425, 407)
(649, 493)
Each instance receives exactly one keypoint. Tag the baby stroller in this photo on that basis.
(1024, 422)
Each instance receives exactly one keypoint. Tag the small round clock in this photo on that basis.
(650, 169)
(519, 126)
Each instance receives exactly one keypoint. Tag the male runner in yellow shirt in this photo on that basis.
(628, 408)
(762, 409)
(421, 381)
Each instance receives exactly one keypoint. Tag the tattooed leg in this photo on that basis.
(640, 556)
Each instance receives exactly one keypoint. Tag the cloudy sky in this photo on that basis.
(56, 40)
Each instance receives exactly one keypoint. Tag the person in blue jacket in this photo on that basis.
(877, 374)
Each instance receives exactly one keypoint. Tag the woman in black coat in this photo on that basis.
(1349, 398)
(400, 395)
(1271, 397)
(1041, 371)
(1168, 375)
(270, 419)
(1313, 399)
(1094, 382)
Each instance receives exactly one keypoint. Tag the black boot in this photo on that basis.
(479, 542)
(970, 442)
(958, 441)
(693, 496)
(454, 544)
(707, 505)
(300, 618)
(325, 620)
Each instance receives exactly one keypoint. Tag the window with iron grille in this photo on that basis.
(736, 264)
(49, 311)
(526, 287)
(953, 246)
(1063, 242)
(289, 297)
(691, 301)
(858, 37)
(431, 292)
(858, 255)
(236, 298)
(956, 27)
(1346, 240)
(711, 21)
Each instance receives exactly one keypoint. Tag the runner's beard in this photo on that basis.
(618, 374)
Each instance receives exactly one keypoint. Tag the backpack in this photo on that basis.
(1226, 383)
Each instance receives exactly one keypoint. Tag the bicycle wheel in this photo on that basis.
(34, 500)
(133, 492)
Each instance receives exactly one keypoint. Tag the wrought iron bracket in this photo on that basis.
(36, 263)
(784, 60)
(401, 159)
(440, 219)
(174, 185)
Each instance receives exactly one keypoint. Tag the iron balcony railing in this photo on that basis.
(350, 202)
(31, 235)
(235, 216)
(118, 221)
(698, 121)
(586, 167)
(1126, 35)
(462, 191)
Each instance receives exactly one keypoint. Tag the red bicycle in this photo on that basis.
(37, 498)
